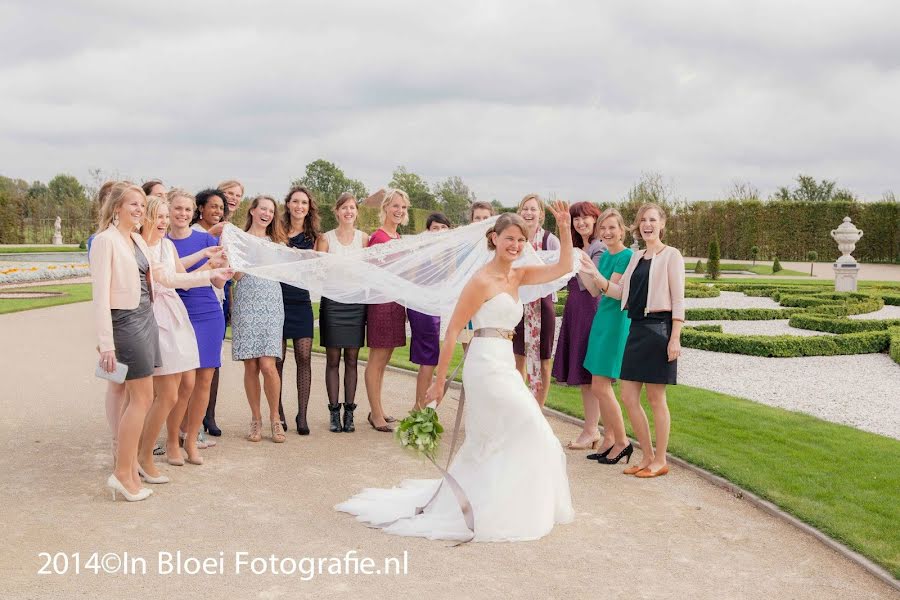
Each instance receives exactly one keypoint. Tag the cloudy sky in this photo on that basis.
(574, 98)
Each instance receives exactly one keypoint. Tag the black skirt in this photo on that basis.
(298, 320)
(342, 325)
(646, 357)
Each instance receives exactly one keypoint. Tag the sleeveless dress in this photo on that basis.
(298, 315)
(511, 464)
(609, 330)
(571, 346)
(257, 318)
(342, 325)
(202, 305)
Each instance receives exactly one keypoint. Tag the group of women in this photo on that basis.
(164, 296)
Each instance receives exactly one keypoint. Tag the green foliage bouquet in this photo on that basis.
(421, 432)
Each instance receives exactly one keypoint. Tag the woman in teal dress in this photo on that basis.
(606, 344)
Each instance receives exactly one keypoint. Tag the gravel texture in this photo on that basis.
(888, 312)
(774, 327)
(731, 300)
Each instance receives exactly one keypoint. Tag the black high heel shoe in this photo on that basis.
(624, 453)
(211, 429)
(599, 455)
(304, 430)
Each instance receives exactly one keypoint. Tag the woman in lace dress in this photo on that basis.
(257, 319)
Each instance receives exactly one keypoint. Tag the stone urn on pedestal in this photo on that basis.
(846, 271)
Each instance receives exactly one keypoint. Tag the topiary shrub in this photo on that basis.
(776, 265)
(812, 256)
(754, 253)
(82, 245)
(868, 342)
(701, 291)
(739, 314)
(712, 266)
(699, 268)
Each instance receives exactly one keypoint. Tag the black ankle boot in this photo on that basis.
(335, 426)
(348, 417)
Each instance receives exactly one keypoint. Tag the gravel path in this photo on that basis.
(888, 312)
(774, 327)
(731, 300)
(268, 499)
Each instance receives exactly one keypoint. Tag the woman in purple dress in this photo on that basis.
(568, 365)
(425, 330)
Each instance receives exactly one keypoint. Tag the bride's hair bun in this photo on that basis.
(504, 221)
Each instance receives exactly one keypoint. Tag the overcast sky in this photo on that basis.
(576, 98)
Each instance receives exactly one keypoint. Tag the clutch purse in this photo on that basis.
(116, 376)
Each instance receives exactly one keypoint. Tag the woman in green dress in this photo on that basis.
(606, 344)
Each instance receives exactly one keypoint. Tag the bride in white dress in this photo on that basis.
(511, 465)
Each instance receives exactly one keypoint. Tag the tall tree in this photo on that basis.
(810, 190)
(65, 190)
(420, 195)
(455, 198)
(327, 181)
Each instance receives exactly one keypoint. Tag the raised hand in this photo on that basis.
(560, 211)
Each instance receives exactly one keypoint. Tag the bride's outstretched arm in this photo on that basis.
(470, 300)
(543, 273)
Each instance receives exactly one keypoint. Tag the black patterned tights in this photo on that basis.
(333, 373)
(302, 348)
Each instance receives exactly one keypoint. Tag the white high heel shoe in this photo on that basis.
(116, 486)
(150, 478)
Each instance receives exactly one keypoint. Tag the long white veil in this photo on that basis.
(425, 272)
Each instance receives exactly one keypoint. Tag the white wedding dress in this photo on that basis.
(511, 465)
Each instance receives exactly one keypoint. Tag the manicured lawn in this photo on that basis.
(840, 480)
(74, 292)
(761, 269)
(27, 249)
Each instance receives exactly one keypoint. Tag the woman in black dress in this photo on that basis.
(342, 326)
(301, 222)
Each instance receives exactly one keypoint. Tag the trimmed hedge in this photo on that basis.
(701, 291)
(739, 314)
(713, 328)
(829, 324)
(783, 346)
(894, 333)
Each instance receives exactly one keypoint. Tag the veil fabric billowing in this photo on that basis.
(424, 272)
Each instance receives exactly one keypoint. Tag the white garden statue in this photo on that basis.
(846, 270)
(57, 232)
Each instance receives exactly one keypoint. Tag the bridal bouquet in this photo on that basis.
(421, 432)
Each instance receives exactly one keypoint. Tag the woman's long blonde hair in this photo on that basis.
(114, 201)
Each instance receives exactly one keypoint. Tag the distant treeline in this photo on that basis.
(791, 223)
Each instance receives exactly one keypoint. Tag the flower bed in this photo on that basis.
(24, 273)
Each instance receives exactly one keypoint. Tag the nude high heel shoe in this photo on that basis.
(116, 486)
